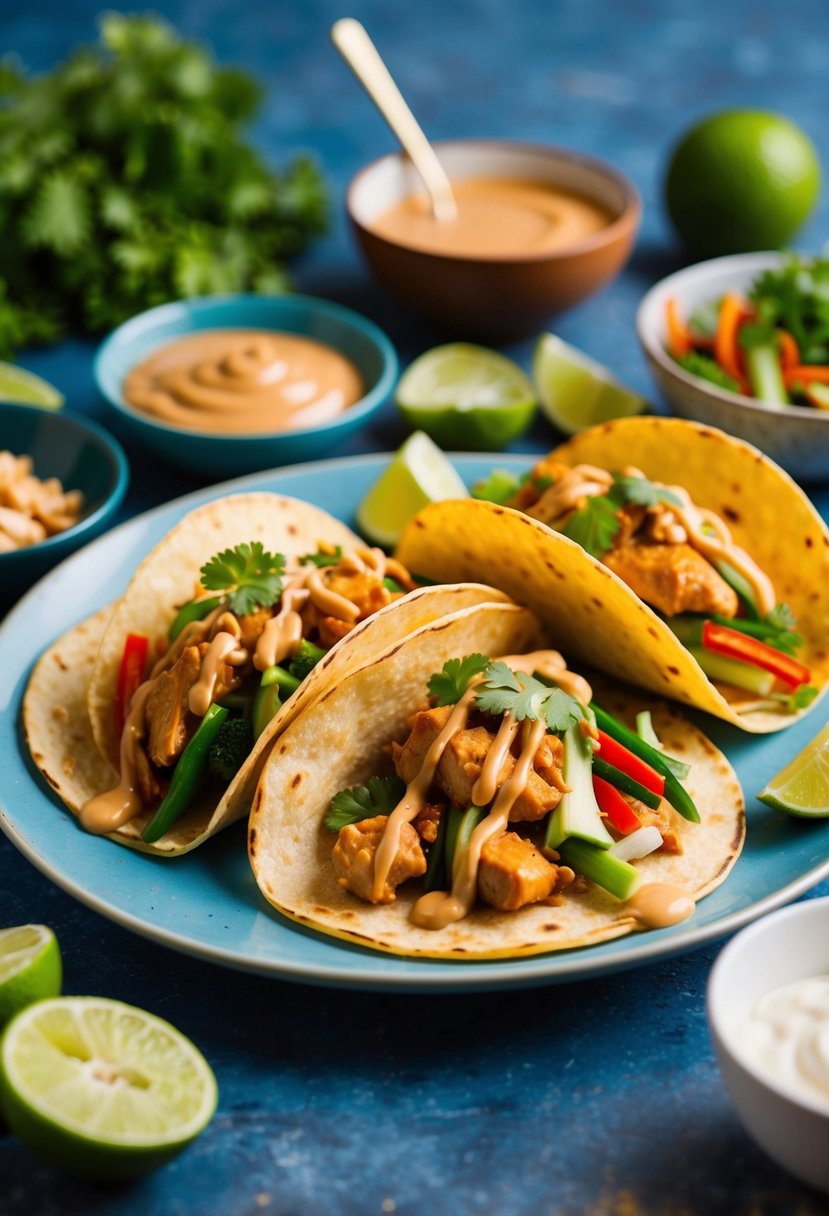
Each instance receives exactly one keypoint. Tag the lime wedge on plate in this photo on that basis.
(30, 967)
(25, 388)
(466, 397)
(102, 1089)
(802, 787)
(418, 474)
(576, 392)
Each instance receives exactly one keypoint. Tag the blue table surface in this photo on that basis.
(600, 1097)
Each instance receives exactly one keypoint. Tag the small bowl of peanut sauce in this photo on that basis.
(62, 479)
(233, 384)
(538, 229)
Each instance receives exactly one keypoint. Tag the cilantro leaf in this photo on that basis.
(789, 702)
(321, 558)
(641, 491)
(378, 797)
(781, 617)
(449, 684)
(499, 487)
(595, 526)
(506, 691)
(251, 577)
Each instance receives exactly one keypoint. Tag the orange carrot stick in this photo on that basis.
(789, 352)
(679, 336)
(806, 373)
(733, 312)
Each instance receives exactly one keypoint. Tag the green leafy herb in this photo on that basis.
(449, 684)
(250, 577)
(392, 585)
(708, 369)
(321, 559)
(790, 702)
(378, 797)
(795, 297)
(641, 491)
(126, 180)
(507, 691)
(499, 487)
(595, 526)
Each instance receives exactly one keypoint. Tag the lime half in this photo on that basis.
(802, 787)
(101, 1089)
(466, 396)
(25, 388)
(30, 968)
(418, 474)
(576, 392)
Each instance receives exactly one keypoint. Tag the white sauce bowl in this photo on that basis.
(789, 945)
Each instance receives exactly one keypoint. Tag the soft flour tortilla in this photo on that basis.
(338, 742)
(67, 725)
(595, 616)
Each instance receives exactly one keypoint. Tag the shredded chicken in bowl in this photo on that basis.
(32, 509)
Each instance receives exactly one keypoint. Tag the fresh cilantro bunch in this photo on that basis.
(125, 181)
(596, 525)
(794, 297)
(321, 559)
(249, 577)
(506, 691)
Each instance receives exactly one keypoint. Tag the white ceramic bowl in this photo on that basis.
(789, 945)
(797, 437)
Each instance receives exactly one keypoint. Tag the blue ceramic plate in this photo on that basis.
(207, 904)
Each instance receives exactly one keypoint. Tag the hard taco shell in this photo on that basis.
(595, 616)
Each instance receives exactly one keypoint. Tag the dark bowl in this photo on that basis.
(84, 457)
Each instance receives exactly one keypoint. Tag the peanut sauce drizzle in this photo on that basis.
(279, 639)
(657, 905)
(586, 481)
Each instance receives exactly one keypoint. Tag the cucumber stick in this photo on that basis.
(578, 813)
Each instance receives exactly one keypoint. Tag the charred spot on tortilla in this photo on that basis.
(674, 671)
(296, 780)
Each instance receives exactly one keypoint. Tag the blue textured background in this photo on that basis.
(601, 1097)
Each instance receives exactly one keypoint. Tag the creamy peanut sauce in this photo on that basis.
(496, 217)
(655, 905)
(279, 640)
(703, 529)
(244, 382)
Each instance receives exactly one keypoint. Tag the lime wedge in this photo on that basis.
(418, 474)
(802, 787)
(30, 967)
(576, 392)
(102, 1089)
(25, 388)
(466, 396)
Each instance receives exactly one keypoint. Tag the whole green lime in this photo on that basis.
(741, 180)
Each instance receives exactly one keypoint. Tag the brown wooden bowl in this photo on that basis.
(500, 298)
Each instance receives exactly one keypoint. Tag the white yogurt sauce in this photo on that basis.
(787, 1038)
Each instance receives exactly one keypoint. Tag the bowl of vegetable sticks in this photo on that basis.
(742, 343)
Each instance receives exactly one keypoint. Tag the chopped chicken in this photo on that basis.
(149, 786)
(32, 509)
(463, 759)
(366, 591)
(673, 578)
(251, 626)
(512, 873)
(354, 853)
(660, 818)
(170, 723)
(427, 822)
(331, 630)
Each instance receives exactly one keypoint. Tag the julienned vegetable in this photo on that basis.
(736, 645)
(130, 675)
(675, 793)
(126, 181)
(771, 344)
(187, 776)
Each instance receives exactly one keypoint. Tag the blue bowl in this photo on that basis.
(227, 455)
(84, 457)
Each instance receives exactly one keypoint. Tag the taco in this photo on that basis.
(152, 720)
(664, 552)
(462, 797)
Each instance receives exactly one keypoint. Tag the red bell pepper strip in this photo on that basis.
(721, 640)
(620, 815)
(618, 755)
(130, 675)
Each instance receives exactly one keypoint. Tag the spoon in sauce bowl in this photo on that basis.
(362, 56)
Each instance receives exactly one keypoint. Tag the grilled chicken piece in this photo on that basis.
(513, 873)
(660, 818)
(170, 723)
(427, 823)
(354, 859)
(149, 786)
(462, 761)
(366, 591)
(331, 630)
(546, 471)
(251, 626)
(673, 578)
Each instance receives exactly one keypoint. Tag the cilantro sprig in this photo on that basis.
(507, 691)
(448, 685)
(379, 796)
(321, 559)
(248, 575)
(596, 525)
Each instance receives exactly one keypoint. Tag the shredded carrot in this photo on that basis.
(679, 335)
(789, 353)
(733, 312)
(806, 373)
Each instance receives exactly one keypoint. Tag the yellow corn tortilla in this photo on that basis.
(597, 617)
(67, 708)
(338, 742)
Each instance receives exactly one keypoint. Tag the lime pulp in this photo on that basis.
(419, 473)
(576, 392)
(30, 967)
(802, 787)
(21, 387)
